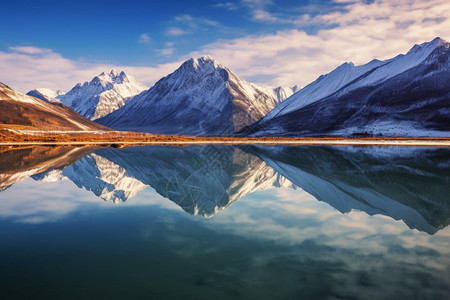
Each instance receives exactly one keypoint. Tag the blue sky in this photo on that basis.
(276, 42)
(138, 32)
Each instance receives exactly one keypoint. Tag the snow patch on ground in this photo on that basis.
(392, 129)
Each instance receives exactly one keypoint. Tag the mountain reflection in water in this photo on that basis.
(409, 184)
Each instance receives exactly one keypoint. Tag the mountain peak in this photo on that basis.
(200, 97)
(114, 73)
(112, 77)
(202, 63)
(441, 41)
(207, 59)
(46, 94)
(436, 42)
(103, 94)
(347, 64)
(2, 85)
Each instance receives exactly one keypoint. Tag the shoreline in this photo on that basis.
(120, 139)
(413, 142)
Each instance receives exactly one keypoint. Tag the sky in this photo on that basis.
(56, 44)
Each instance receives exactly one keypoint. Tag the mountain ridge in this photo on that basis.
(385, 101)
(45, 94)
(201, 97)
(102, 95)
(21, 111)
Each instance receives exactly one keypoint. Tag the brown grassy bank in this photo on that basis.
(119, 138)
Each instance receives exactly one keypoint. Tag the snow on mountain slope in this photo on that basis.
(103, 94)
(45, 94)
(202, 97)
(17, 109)
(414, 102)
(280, 93)
(373, 72)
(285, 92)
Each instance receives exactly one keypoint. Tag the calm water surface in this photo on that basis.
(225, 222)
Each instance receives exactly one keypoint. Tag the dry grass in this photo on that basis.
(119, 138)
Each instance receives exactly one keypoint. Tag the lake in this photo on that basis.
(225, 222)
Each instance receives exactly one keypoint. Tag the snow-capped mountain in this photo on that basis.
(103, 94)
(25, 112)
(407, 95)
(202, 97)
(48, 95)
(285, 92)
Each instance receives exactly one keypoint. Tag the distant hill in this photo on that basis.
(19, 111)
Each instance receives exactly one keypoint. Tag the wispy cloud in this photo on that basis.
(169, 49)
(187, 24)
(362, 31)
(30, 50)
(166, 51)
(176, 31)
(144, 39)
(260, 12)
(45, 68)
(22, 204)
(226, 5)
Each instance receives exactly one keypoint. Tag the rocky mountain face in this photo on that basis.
(407, 95)
(202, 97)
(102, 95)
(23, 112)
(45, 94)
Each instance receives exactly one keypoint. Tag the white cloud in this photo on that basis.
(30, 50)
(166, 51)
(144, 39)
(176, 31)
(22, 204)
(187, 24)
(259, 11)
(25, 71)
(226, 5)
(381, 29)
